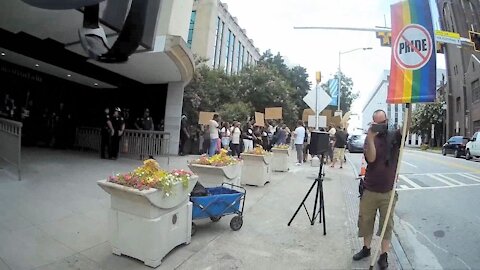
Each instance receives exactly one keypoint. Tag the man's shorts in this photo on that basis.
(369, 203)
(338, 154)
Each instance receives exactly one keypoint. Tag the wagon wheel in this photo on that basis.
(236, 223)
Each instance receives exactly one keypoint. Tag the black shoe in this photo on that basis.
(383, 261)
(365, 252)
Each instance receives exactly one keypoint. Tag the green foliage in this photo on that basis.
(238, 111)
(424, 116)
(347, 96)
(270, 83)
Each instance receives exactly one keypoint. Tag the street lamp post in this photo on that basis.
(340, 71)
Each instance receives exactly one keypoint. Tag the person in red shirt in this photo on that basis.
(381, 152)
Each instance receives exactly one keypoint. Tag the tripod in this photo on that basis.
(318, 200)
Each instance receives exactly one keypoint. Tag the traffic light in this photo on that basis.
(475, 39)
(385, 38)
(318, 76)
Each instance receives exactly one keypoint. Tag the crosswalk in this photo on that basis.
(419, 181)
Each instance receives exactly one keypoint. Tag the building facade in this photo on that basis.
(215, 34)
(41, 40)
(463, 68)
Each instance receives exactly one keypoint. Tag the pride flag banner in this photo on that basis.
(413, 65)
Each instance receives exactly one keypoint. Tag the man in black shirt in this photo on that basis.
(339, 152)
(107, 131)
(118, 124)
(145, 122)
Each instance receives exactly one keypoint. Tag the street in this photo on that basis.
(437, 212)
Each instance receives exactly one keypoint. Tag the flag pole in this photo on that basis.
(406, 116)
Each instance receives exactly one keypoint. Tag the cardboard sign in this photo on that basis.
(259, 119)
(346, 117)
(274, 113)
(337, 121)
(322, 121)
(205, 117)
(306, 113)
(328, 114)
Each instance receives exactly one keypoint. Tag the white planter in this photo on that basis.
(211, 176)
(280, 160)
(256, 169)
(146, 224)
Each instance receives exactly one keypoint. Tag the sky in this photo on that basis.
(270, 24)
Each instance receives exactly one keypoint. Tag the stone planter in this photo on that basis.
(256, 169)
(280, 160)
(147, 225)
(211, 176)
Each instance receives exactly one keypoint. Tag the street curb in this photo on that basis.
(401, 258)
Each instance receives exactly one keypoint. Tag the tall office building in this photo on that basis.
(216, 35)
(463, 67)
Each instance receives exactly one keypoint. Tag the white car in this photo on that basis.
(472, 149)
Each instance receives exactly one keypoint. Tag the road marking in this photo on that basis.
(410, 182)
(404, 187)
(442, 187)
(409, 164)
(440, 179)
(449, 164)
(469, 176)
(451, 179)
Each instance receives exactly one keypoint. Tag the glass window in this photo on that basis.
(193, 17)
(232, 54)
(457, 103)
(239, 51)
(227, 49)
(215, 48)
(243, 56)
(476, 90)
(220, 38)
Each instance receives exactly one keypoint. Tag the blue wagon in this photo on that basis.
(227, 199)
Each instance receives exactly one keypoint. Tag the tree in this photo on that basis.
(424, 116)
(238, 111)
(347, 96)
(270, 83)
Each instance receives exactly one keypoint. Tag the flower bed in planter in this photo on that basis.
(218, 169)
(256, 167)
(151, 201)
(280, 159)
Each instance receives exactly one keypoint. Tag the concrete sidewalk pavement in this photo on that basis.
(56, 218)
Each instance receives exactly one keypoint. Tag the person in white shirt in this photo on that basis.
(213, 130)
(299, 134)
(248, 138)
(225, 132)
(236, 133)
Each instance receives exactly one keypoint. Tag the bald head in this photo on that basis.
(379, 116)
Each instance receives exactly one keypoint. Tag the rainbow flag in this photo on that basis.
(413, 65)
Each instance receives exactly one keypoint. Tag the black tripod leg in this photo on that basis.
(315, 214)
(322, 209)
(302, 203)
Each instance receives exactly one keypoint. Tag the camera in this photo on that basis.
(380, 128)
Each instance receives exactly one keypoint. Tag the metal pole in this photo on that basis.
(339, 80)
(316, 107)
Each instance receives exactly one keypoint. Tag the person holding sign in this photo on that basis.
(381, 152)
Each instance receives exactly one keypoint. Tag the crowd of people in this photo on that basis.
(237, 138)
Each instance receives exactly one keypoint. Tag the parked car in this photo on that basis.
(473, 147)
(355, 143)
(455, 145)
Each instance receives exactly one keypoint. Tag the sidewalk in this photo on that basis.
(56, 218)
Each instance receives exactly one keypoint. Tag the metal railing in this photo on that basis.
(11, 143)
(142, 143)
